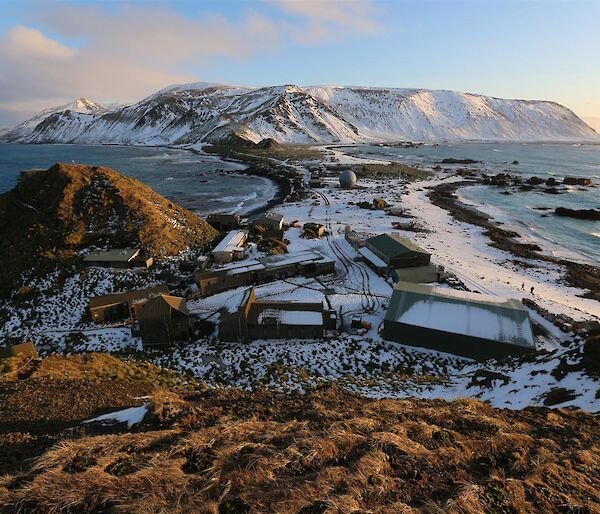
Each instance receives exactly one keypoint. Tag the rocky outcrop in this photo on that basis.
(580, 214)
(578, 181)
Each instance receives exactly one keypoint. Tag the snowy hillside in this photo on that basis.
(201, 112)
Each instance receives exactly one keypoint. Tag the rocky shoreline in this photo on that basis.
(583, 276)
(284, 185)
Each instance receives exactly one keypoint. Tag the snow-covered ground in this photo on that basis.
(363, 363)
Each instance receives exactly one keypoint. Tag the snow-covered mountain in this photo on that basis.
(201, 112)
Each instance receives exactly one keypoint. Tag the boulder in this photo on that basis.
(577, 181)
(535, 181)
(450, 160)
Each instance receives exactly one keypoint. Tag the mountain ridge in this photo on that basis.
(207, 113)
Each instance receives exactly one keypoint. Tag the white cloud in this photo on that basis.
(128, 52)
(25, 42)
(356, 15)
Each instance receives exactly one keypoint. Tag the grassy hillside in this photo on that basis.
(229, 451)
(51, 215)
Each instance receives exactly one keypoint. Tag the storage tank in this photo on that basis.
(347, 179)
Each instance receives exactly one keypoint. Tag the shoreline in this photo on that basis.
(282, 185)
(579, 275)
(458, 238)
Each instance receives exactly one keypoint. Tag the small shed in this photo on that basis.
(231, 248)
(270, 221)
(397, 251)
(115, 258)
(316, 181)
(314, 230)
(468, 324)
(164, 320)
(223, 221)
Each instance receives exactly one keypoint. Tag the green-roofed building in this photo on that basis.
(468, 324)
(397, 251)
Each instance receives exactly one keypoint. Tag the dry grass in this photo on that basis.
(230, 451)
(95, 366)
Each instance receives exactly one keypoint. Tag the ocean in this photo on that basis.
(561, 236)
(201, 183)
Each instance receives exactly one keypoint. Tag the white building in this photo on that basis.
(231, 248)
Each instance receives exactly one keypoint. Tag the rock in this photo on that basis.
(515, 162)
(591, 355)
(267, 144)
(535, 181)
(551, 182)
(576, 181)
(581, 214)
(450, 160)
(501, 179)
(558, 395)
(485, 378)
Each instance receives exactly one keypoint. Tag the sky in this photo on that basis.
(54, 52)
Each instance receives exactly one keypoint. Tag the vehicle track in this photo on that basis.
(369, 301)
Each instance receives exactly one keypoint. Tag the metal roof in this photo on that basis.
(232, 241)
(460, 312)
(370, 256)
(128, 296)
(114, 255)
(392, 245)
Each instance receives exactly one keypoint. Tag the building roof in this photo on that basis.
(268, 262)
(393, 245)
(114, 255)
(234, 302)
(417, 274)
(271, 216)
(372, 258)
(460, 312)
(128, 296)
(162, 305)
(232, 241)
(301, 257)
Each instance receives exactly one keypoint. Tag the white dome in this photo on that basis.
(347, 178)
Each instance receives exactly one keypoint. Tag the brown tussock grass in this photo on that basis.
(329, 451)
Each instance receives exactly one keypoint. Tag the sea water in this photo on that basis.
(201, 183)
(529, 212)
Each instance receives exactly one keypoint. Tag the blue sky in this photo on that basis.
(110, 51)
